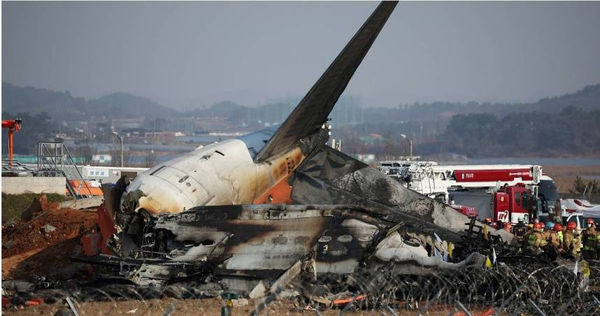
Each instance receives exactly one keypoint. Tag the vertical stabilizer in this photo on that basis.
(312, 112)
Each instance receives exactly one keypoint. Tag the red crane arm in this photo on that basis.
(12, 124)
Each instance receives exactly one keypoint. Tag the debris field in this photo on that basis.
(39, 277)
(44, 240)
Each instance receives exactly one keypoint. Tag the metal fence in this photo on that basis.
(514, 290)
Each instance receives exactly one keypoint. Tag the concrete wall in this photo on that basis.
(19, 185)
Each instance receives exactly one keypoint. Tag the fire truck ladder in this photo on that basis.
(55, 159)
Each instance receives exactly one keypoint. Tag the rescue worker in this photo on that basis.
(530, 231)
(590, 241)
(548, 227)
(536, 241)
(520, 231)
(571, 241)
(488, 221)
(558, 228)
(508, 227)
(555, 237)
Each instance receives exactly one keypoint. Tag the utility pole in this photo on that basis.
(410, 144)
(121, 141)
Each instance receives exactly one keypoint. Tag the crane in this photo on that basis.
(13, 126)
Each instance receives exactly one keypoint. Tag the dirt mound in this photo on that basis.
(38, 205)
(53, 262)
(51, 235)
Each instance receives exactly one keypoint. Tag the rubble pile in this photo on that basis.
(511, 282)
(42, 242)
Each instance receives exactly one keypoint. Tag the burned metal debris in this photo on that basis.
(262, 241)
(391, 249)
(268, 250)
(502, 288)
(324, 256)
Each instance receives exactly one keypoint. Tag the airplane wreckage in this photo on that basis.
(258, 204)
(255, 206)
(276, 204)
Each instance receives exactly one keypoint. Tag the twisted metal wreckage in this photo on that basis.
(206, 208)
(279, 212)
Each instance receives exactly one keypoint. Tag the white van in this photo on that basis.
(579, 219)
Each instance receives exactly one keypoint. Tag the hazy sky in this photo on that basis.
(183, 54)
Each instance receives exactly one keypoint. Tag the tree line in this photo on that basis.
(568, 133)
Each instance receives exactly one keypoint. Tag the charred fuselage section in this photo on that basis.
(263, 241)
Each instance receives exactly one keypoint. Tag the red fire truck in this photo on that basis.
(500, 192)
(514, 203)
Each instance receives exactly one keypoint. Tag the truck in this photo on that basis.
(501, 192)
(513, 203)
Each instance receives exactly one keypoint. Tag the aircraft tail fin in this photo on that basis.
(312, 112)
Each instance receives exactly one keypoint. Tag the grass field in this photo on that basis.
(14, 204)
(564, 176)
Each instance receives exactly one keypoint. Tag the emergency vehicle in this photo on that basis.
(501, 192)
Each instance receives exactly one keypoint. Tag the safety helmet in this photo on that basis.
(590, 221)
(542, 225)
(571, 225)
(549, 224)
(538, 226)
(558, 227)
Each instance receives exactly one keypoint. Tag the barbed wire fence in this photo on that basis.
(502, 289)
(513, 290)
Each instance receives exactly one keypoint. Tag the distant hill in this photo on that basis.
(32, 100)
(126, 105)
(225, 108)
(17, 99)
(233, 112)
(587, 99)
(58, 105)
